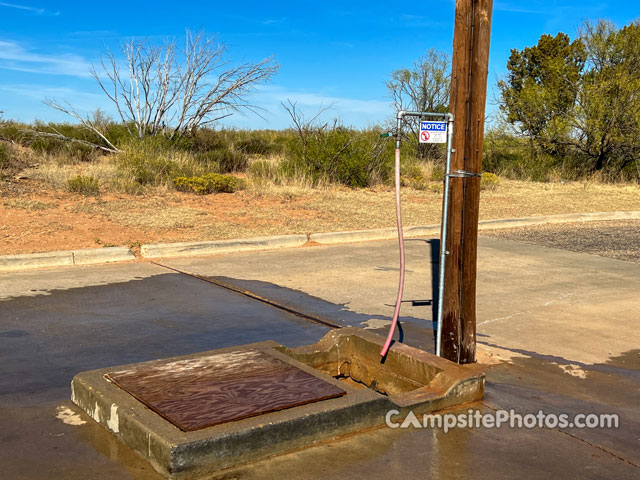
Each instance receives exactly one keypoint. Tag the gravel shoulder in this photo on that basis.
(619, 239)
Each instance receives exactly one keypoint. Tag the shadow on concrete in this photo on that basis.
(47, 339)
(434, 254)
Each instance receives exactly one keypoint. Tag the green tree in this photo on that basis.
(577, 102)
(541, 88)
(607, 120)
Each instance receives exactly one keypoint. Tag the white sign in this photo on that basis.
(433, 132)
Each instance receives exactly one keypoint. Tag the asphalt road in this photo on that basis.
(619, 239)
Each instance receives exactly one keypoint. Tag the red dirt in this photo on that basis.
(56, 224)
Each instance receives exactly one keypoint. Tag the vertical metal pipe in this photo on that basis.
(401, 114)
(443, 239)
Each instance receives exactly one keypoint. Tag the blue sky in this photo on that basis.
(331, 53)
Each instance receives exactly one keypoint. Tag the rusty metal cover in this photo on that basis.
(206, 391)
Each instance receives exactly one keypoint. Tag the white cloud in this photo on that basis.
(41, 92)
(355, 112)
(505, 7)
(36, 10)
(271, 21)
(15, 57)
(33, 96)
(351, 111)
(39, 11)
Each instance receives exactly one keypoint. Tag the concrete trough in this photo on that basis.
(348, 358)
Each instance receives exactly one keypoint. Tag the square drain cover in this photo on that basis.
(206, 391)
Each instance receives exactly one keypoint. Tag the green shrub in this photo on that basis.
(206, 139)
(489, 181)
(257, 145)
(154, 161)
(13, 131)
(410, 170)
(229, 160)
(208, 160)
(208, 183)
(340, 155)
(4, 156)
(147, 169)
(437, 174)
(126, 184)
(411, 175)
(84, 185)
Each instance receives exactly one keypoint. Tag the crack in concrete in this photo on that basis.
(593, 445)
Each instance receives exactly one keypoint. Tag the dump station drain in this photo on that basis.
(206, 391)
(193, 415)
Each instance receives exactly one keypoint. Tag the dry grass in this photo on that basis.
(27, 204)
(270, 180)
(57, 174)
(147, 214)
(518, 198)
(39, 215)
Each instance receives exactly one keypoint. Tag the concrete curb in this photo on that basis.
(86, 256)
(159, 250)
(184, 249)
(409, 232)
(373, 234)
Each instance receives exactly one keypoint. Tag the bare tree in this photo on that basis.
(169, 91)
(306, 129)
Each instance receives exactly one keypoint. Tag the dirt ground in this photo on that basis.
(619, 239)
(37, 218)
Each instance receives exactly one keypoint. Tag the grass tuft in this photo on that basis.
(84, 185)
(208, 183)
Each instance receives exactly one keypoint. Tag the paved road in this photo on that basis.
(619, 239)
(564, 324)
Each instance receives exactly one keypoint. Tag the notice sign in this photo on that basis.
(433, 132)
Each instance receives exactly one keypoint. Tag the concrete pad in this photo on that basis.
(576, 353)
(183, 249)
(460, 454)
(530, 298)
(409, 379)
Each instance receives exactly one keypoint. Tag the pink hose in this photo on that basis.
(396, 313)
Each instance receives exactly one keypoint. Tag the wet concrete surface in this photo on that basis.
(46, 337)
(564, 324)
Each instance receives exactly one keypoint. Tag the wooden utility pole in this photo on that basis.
(470, 65)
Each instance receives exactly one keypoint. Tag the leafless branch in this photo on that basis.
(59, 136)
(86, 123)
